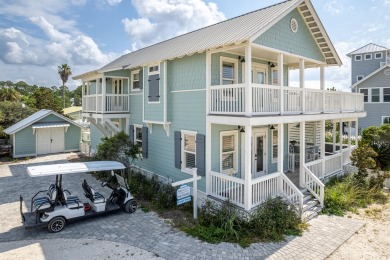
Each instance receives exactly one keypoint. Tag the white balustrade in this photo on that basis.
(117, 103)
(316, 168)
(225, 187)
(313, 100)
(227, 99)
(314, 185)
(332, 164)
(89, 103)
(266, 99)
(292, 100)
(290, 191)
(265, 187)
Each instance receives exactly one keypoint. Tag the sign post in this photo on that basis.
(184, 192)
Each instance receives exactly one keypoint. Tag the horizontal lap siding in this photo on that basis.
(25, 142)
(374, 114)
(365, 67)
(281, 37)
(72, 138)
(377, 80)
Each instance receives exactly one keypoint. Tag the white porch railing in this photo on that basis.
(114, 103)
(227, 99)
(225, 187)
(290, 191)
(265, 187)
(332, 164)
(230, 99)
(314, 185)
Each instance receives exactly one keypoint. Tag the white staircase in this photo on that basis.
(311, 206)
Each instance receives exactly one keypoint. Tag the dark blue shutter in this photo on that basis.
(154, 88)
(131, 133)
(141, 79)
(178, 149)
(200, 154)
(144, 142)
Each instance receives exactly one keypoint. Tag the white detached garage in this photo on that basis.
(44, 132)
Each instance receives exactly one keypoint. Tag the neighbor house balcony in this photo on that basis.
(280, 100)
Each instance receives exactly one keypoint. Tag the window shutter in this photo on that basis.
(178, 149)
(200, 154)
(154, 88)
(131, 133)
(144, 142)
(141, 79)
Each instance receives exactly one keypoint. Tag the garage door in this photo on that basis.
(50, 140)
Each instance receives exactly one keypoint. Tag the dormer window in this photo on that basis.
(378, 55)
(368, 56)
(358, 57)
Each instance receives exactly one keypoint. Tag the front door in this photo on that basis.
(258, 75)
(259, 153)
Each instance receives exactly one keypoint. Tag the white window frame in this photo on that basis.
(358, 55)
(155, 71)
(235, 152)
(272, 76)
(274, 159)
(379, 95)
(383, 118)
(378, 57)
(132, 80)
(235, 71)
(358, 76)
(183, 161)
(368, 55)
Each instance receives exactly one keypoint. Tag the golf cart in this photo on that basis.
(58, 206)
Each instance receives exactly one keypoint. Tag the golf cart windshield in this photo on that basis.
(121, 181)
(66, 168)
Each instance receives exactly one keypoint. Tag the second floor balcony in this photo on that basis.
(106, 104)
(276, 100)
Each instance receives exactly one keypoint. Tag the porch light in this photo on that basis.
(271, 64)
(242, 59)
(241, 128)
(298, 125)
(272, 127)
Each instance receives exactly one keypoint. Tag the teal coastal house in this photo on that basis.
(218, 99)
(44, 132)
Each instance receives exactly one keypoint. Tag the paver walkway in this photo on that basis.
(149, 232)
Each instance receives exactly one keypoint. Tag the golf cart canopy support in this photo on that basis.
(65, 168)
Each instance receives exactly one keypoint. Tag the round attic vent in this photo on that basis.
(294, 25)
(387, 72)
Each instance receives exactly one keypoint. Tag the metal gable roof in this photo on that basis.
(34, 118)
(371, 47)
(231, 31)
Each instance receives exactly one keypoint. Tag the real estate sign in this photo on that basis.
(183, 194)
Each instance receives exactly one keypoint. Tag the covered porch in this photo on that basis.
(271, 156)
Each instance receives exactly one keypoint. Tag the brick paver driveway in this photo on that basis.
(149, 232)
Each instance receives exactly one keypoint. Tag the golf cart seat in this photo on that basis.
(95, 197)
(73, 202)
(46, 202)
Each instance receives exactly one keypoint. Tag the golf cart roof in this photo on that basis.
(65, 168)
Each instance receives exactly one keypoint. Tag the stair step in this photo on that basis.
(311, 213)
(309, 204)
(307, 197)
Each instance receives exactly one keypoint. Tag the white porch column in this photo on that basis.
(248, 80)
(322, 147)
(341, 142)
(356, 132)
(349, 133)
(280, 147)
(302, 82)
(281, 81)
(248, 168)
(103, 94)
(322, 85)
(83, 100)
(302, 153)
(208, 125)
(97, 92)
(334, 136)
(127, 126)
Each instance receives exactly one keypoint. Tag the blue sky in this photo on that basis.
(37, 36)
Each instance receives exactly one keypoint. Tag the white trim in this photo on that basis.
(235, 69)
(132, 80)
(379, 57)
(262, 132)
(154, 65)
(187, 90)
(255, 65)
(135, 94)
(183, 164)
(144, 72)
(235, 152)
(71, 150)
(165, 92)
(13, 145)
(358, 55)
(368, 54)
(274, 160)
(383, 117)
(369, 94)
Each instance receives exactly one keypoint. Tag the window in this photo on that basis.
(358, 57)
(154, 69)
(228, 152)
(229, 68)
(385, 119)
(360, 77)
(365, 93)
(117, 86)
(375, 97)
(275, 80)
(188, 151)
(135, 80)
(378, 55)
(138, 135)
(386, 95)
(274, 146)
(368, 56)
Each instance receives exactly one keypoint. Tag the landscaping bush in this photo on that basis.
(270, 222)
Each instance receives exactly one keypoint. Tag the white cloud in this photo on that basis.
(386, 3)
(334, 7)
(162, 19)
(113, 2)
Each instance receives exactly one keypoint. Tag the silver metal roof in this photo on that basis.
(66, 168)
(371, 47)
(235, 30)
(34, 118)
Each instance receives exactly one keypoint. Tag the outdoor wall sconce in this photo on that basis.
(272, 127)
(271, 64)
(241, 128)
(242, 59)
(298, 125)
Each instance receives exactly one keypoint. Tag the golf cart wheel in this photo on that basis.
(131, 206)
(56, 224)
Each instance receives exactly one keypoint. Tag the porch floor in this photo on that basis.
(294, 177)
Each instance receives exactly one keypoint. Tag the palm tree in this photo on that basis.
(64, 71)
